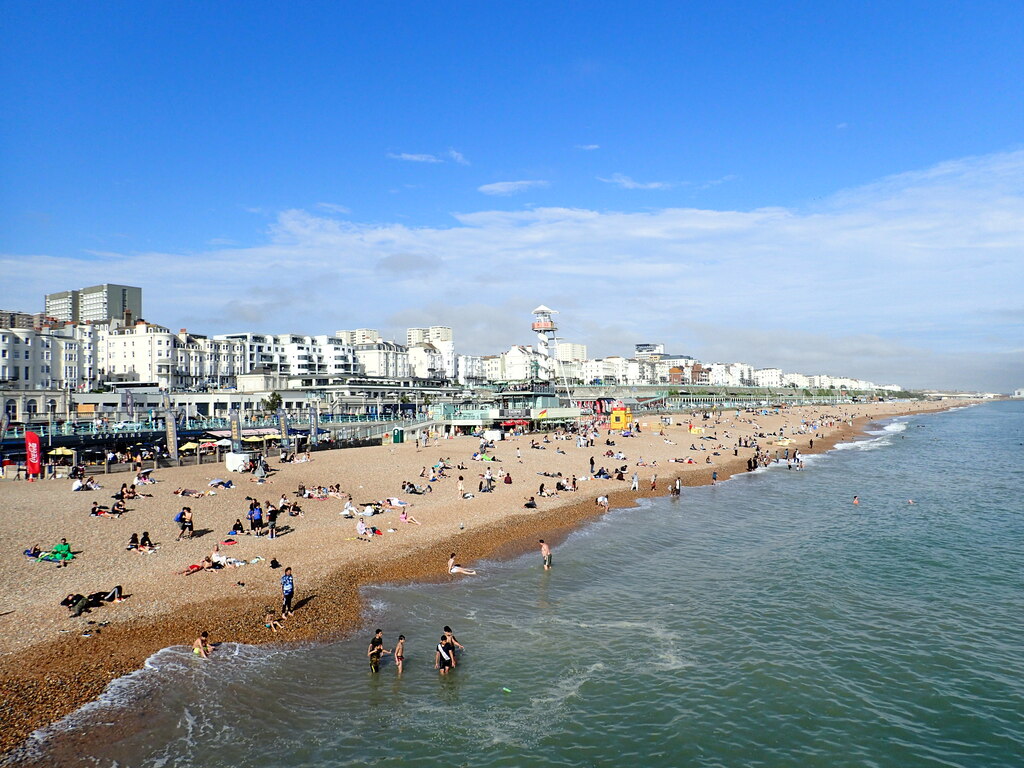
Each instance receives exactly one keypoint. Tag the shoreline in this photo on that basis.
(46, 681)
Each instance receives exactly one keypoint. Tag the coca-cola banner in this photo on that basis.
(33, 460)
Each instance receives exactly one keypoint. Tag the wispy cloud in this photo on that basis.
(588, 147)
(333, 208)
(511, 187)
(457, 157)
(626, 182)
(876, 257)
(716, 182)
(415, 158)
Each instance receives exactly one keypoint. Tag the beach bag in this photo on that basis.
(179, 517)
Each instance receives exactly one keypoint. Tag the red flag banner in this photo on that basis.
(33, 463)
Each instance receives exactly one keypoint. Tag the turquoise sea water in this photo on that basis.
(763, 622)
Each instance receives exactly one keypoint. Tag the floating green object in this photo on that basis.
(507, 690)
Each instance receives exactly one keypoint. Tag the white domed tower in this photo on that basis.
(544, 327)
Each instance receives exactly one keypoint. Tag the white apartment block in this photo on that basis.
(768, 377)
(60, 359)
(567, 351)
(569, 370)
(359, 336)
(432, 334)
(795, 380)
(96, 304)
(470, 370)
(522, 363)
(426, 361)
(442, 339)
(383, 359)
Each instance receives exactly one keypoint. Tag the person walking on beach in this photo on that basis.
(376, 650)
(635, 485)
(714, 477)
(545, 553)
(287, 593)
(187, 525)
(462, 487)
(654, 482)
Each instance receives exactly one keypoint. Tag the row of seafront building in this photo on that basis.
(97, 341)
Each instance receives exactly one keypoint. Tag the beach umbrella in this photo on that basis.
(62, 451)
(210, 444)
(252, 439)
(225, 442)
(189, 446)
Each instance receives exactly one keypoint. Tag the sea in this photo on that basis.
(765, 621)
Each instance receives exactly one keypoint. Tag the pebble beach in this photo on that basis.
(50, 664)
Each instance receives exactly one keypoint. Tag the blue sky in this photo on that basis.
(827, 188)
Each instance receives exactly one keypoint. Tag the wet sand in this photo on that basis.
(48, 668)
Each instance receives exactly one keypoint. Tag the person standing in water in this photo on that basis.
(400, 653)
(376, 650)
(444, 656)
(545, 553)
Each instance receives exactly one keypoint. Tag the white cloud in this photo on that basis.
(333, 208)
(914, 279)
(627, 183)
(457, 157)
(588, 147)
(510, 187)
(414, 158)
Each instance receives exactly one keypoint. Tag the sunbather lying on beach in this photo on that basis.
(61, 554)
(189, 492)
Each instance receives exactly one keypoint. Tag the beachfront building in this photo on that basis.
(518, 363)
(569, 371)
(617, 370)
(383, 359)
(470, 370)
(672, 369)
(64, 358)
(796, 380)
(443, 341)
(768, 377)
(426, 361)
(95, 304)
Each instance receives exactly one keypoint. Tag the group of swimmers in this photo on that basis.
(444, 652)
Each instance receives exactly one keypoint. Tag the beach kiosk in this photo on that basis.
(621, 417)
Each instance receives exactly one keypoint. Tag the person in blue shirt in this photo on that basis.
(288, 592)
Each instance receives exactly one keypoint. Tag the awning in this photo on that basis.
(249, 431)
(514, 423)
